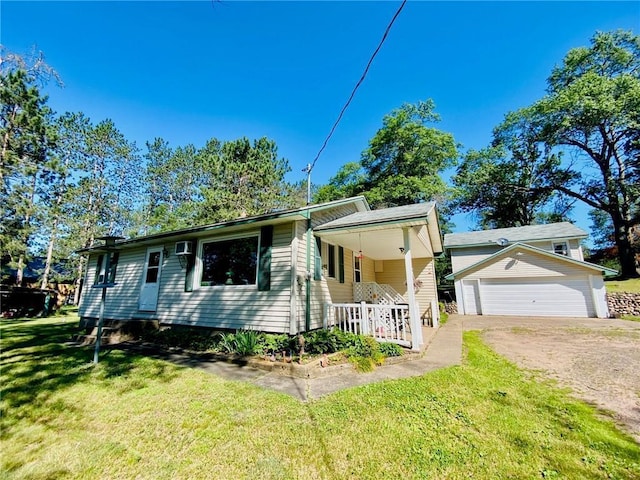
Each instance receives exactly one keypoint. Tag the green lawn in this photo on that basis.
(136, 417)
(632, 285)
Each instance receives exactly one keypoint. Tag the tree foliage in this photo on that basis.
(592, 110)
(510, 183)
(221, 181)
(403, 162)
(243, 178)
(589, 119)
(25, 170)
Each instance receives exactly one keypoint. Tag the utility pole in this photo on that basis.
(307, 170)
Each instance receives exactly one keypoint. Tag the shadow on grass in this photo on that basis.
(37, 361)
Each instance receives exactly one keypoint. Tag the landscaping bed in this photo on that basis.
(315, 354)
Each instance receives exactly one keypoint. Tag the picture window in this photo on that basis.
(229, 262)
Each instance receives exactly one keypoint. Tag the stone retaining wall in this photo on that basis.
(622, 303)
(451, 307)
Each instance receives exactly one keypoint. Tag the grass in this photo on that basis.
(631, 285)
(137, 417)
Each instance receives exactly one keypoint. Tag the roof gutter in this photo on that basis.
(300, 213)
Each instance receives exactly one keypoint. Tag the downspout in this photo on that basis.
(307, 313)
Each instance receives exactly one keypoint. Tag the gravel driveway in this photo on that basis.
(599, 359)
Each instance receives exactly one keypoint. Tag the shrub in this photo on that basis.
(227, 342)
(363, 346)
(389, 349)
(326, 341)
(276, 343)
(364, 353)
(248, 342)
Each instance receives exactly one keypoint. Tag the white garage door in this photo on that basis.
(547, 297)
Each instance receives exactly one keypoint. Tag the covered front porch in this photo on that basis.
(394, 287)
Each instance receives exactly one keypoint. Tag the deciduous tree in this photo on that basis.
(511, 183)
(403, 162)
(590, 118)
(592, 111)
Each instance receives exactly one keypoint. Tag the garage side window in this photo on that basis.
(230, 262)
(561, 248)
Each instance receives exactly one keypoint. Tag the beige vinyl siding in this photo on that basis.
(423, 269)
(462, 258)
(320, 294)
(301, 235)
(573, 245)
(526, 265)
(296, 274)
(319, 289)
(368, 270)
(342, 292)
(231, 307)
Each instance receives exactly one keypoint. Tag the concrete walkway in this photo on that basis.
(444, 350)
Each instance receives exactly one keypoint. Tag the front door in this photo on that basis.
(151, 280)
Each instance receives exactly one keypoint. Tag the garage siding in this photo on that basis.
(462, 258)
(525, 264)
(524, 282)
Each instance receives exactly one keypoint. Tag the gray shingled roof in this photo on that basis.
(514, 234)
(384, 215)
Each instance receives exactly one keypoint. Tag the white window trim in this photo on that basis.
(197, 284)
(355, 258)
(567, 248)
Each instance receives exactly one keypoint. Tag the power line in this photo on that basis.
(353, 93)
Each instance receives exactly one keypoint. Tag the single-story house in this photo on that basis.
(336, 263)
(536, 270)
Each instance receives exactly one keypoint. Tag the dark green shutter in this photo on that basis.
(341, 264)
(264, 266)
(96, 280)
(317, 266)
(190, 269)
(113, 265)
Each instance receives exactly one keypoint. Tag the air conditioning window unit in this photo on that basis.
(184, 248)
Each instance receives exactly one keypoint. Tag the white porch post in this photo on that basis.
(414, 317)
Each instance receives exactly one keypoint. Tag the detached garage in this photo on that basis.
(523, 280)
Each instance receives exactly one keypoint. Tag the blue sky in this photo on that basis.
(189, 71)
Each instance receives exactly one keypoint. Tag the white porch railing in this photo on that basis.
(372, 292)
(386, 323)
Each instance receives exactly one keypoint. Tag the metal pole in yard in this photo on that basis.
(107, 282)
(96, 353)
